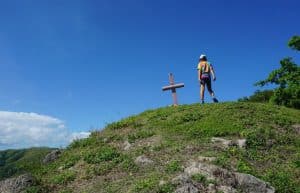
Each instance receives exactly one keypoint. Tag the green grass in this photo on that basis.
(202, 179)
(173, 166)
(15, 162)
(100, 155)
(184, 133)
(63, 178)
(140, 135)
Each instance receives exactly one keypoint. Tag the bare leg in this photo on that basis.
(211, 92)
(202, 92)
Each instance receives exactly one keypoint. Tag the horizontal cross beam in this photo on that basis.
(174, 86)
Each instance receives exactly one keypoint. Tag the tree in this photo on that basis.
(258, 96)
(294, 43)
(287, 77)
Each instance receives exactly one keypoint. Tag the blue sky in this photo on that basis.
(88, 62)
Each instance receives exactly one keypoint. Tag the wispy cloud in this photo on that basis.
(20, 130)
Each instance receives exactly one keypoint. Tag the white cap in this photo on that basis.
(202, 56)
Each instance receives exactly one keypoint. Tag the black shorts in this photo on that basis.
(207, 82)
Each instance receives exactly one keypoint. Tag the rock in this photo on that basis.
(251, 184)
(296, 127)
(187, 188)
(227, 180)
(143, 160)
(224, 142)
(226, 189)
(206, 159)
(241, 143)
(181, 179)
(53, 155)
(162, 182)
(224, 180)
(201, 168)
(225, 177)
(126, 145)
(17, 184)
(211, 188)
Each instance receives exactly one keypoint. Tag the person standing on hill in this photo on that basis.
(205, 71)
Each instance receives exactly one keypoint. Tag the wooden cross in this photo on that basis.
(173, 87)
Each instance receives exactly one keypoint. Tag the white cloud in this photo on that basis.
(20, 130)
(79, 135)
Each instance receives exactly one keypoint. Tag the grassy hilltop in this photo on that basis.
(14, 162)
(169, 138)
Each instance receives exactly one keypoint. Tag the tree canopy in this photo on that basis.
(287, 78)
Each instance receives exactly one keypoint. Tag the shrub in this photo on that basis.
(130, 121)
(173, 166)
(282, 181)
(33, 189)
(64, 177)
(128, 164)
(103, 168)
(166, 188)
(223, 161)
(244, 167)
(90, 141)
(259, 96)
(104, 154)
(71, 161)
(259, 138)
(200, 178)
(141, 134)
(145, 185)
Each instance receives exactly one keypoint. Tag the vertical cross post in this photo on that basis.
(173, 87)
(174, 95)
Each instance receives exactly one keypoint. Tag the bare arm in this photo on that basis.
(212, 71)
(199, 73)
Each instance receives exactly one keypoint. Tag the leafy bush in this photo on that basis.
(141, 134)
(34, 189)
(81, 143)
(282, 181)
(71, 161)
(259, 138)
(223, 161)
(145, 185)
(244, 167)
(200, 178)
(103, 154)
(128, 164)
(64, 177)
(130, 121)
(173, 166)
(259, 96)
(117, 125)
(166, 188)
(103, 168)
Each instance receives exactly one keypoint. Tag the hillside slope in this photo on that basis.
(150, 151)
(14, 162)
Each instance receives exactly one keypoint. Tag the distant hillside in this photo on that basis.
(14, 162)
(190, 148)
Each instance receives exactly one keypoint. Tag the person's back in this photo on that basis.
(204, 66)
(205, 70)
